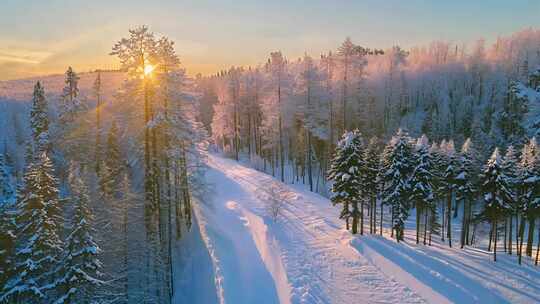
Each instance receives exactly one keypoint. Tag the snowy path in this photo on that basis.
(308, 257)
(306, 252)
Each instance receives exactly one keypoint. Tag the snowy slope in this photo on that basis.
(307, 257)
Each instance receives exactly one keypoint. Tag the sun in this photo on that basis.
(148, 69)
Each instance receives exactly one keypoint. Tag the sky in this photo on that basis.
(46, 36)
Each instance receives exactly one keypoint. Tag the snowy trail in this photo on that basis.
(309, 254)
(241, 275)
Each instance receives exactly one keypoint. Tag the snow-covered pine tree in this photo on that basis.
(70, 96)
(509, 168)
(370, 186)
(39, 120)
(6, 186)
(7, 245)
(113, 166)
(467, 186)
(397, 168)
(137, 55)
(422, 193)
(39, 245)
(530, 192)
(345, 176)
(449, 177)
(496, 192)
(79, 268)
(98, 146)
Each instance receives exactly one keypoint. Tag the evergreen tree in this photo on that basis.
(370, 185)
(422, 193)
(530, 192)
(509, 168)
(39, 245)
(496, 191)
(79, 267)
(7, 246)
(113, 166)
(467, 186)
(70, 94)
(345, 176)
(6, 187)
(39, 120)
(397, 167)
(449, 177)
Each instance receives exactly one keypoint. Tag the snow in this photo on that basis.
(306, 256)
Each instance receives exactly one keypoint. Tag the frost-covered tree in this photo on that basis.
(449, 184)
(71, 103)
(99, 104)
(422, 193)
(137, 55)
(467, 186)
(529, 192)
(496, 191)
(39, 120)
(509, 168)
(370, 186)
(397, 167)
(8, 240)
(345, 176)
(39, 245)
(113, 166)
(6, 186)
(79, 267)
(279, 85)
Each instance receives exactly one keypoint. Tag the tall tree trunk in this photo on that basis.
(521, 237)
(510, 235)
(361, 217)
(537, 248)
(425, 224)
(530, 237)
(418, 223)
(381, 223)
(463, 225)
(449, 219)
(495, 240)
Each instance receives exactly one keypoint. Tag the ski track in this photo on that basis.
(311, 258)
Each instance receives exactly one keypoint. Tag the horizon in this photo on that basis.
(48, 44)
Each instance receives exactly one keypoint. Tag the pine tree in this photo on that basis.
(450, 184)
(467, 185)
(39, 120)
(530, 192)
(6, 187)
(496, 191)
(397, 168)
(7, 246)
(370, 186)
(345, 176)
(38, 223)
(509, 168)
(79, 267)
(113, 166)
(422, 193)
(98, 147)
(70, 94)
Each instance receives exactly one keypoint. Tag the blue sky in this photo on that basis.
(44, 36)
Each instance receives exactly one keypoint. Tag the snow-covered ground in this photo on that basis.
(306, 256)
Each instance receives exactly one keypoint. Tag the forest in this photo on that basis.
(101, 183)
